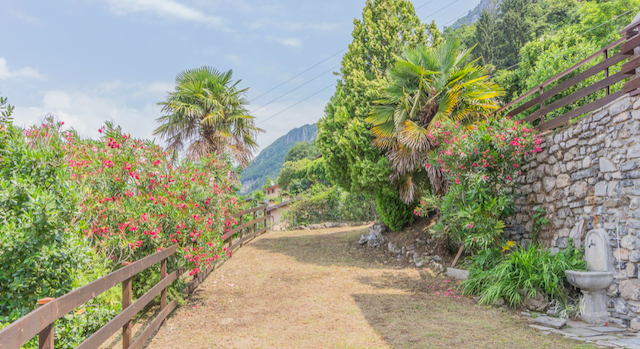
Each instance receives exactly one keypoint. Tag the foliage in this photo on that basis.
(427, 86)
(539, 220)
(487, 37)
(329, 204)
(594, 13)
(207, 114)
(40, 251)
(519, 23)
(521, 274)
(298, 176)
(392, 209)
(301, 150)
(480, 164)
(344, 137)
(270, 160)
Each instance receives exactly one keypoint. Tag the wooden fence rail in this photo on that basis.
(628, 43)
(41, 320)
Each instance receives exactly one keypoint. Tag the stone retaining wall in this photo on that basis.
(586, 177)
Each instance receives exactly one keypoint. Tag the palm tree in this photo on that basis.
(207, 114)
(426, 85)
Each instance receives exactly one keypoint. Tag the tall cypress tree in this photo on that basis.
(487, 36)
(519, 21)
(344, 137)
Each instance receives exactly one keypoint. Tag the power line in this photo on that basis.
(291, 106)
(440, 10)
(423, 5)
(584, 32)
(313, 66)
(611, 20)
(297, 87)
(273, 100)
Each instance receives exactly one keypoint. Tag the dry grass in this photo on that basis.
(319, 289)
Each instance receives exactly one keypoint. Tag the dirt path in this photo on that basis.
(319, 289)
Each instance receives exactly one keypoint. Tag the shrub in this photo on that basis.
(392, 210)
(480, 164)
(522, 273)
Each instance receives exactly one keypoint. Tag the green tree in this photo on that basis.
(301, 150)
(207, 114)
(427, 85)
(487, 37)
(344, 137)
(519, 22)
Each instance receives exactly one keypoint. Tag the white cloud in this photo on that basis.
(290, 42)
(25, 17)
(130, 105)
(235, 59)
(26, 72)
(170, 9)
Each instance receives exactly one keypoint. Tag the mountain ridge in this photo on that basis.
(474, 14)
(269, 161)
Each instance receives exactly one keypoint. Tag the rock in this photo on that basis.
(437, 259)
(550, 321)
(630, 289)
(437, 268)
(549, 183)
(316, 226)
(606, 165)
(458, 274)
(630, 242)
(375, 237)
(601, 188)
(635, 324)
(563, 180)
(537, 303)
(620, 306)
(392, 247)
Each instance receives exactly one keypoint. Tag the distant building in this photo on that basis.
(276, 212)
(273, 191)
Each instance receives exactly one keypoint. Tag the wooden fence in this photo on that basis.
(628, 43)
(41, 321)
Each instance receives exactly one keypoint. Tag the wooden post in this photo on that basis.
(255, 225)
(163, 293)
(241, 230)
(126, 301)
(606, 71)
(455, 261)
(45, 338)
(264, 214)
(541, 102)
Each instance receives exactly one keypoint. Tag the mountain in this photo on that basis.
(271, 158)
(474, 14)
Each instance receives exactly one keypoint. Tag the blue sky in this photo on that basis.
(87, 61)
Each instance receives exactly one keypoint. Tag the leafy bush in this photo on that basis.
(523, 273)
(329, 204)
(392, 210)
(480, 164)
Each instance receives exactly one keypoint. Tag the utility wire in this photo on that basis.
(611, 20)
(297, 87)
(273, 100)
(451, 4)
(313, 66)
(293, 105)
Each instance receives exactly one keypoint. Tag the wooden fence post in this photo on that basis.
(606, 71)
(163, 293)
(126, 301)
(255, 225)
(541, 103)
(45, 338)
(264, 214)
(242, 229)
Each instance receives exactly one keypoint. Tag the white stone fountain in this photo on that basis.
(593, 283)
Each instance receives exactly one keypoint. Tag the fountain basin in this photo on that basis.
(590, 280)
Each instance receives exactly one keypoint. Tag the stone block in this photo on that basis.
(633, 152)
(630, 242)
(621, 253)
(628, 166)
(606, 165)
(630, 289)
(635, 323)
(619, 106)
(549, 183)
(601, 188)
(563, 180)
(631, 270)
